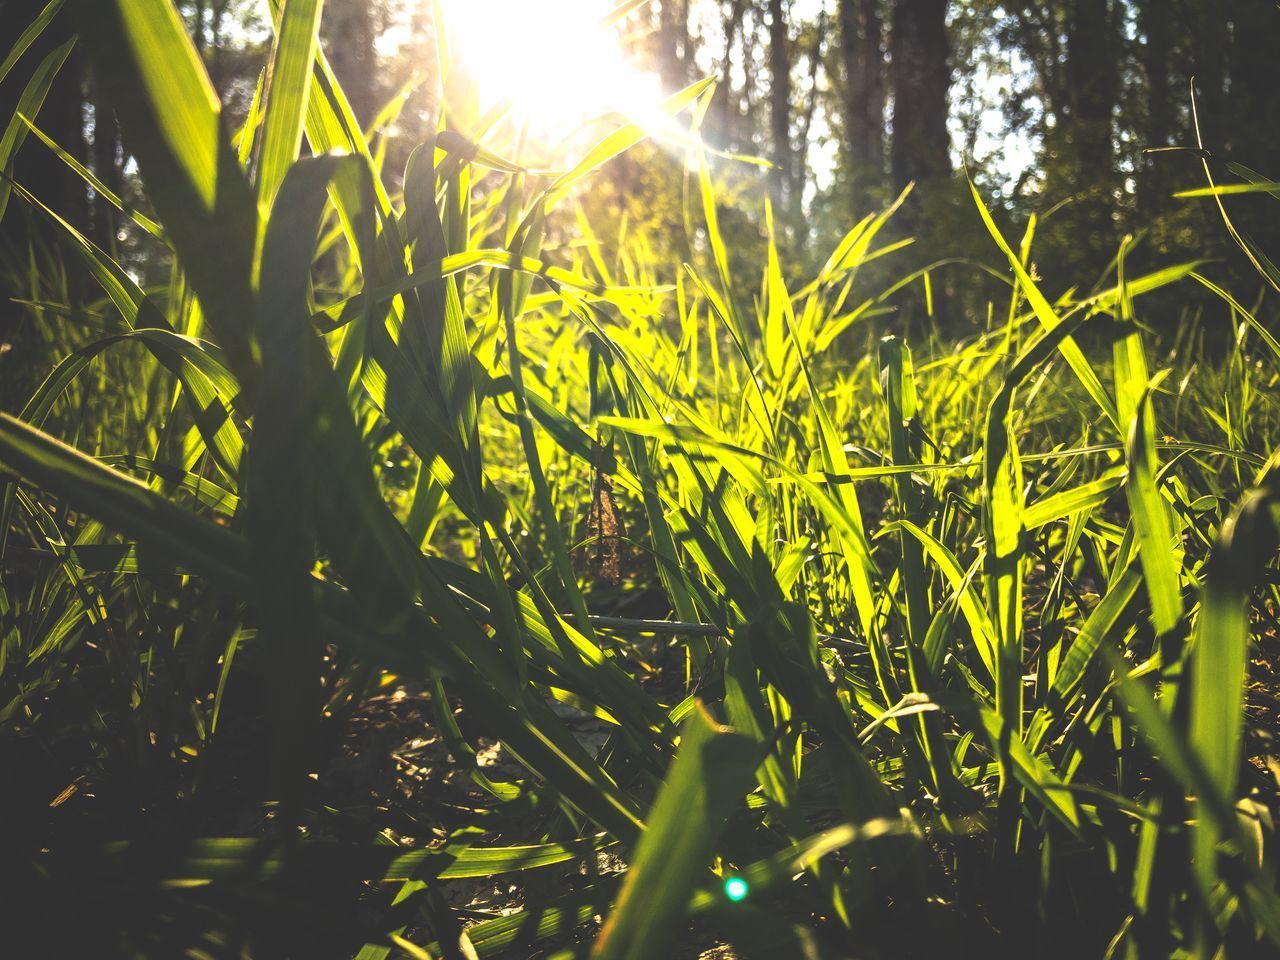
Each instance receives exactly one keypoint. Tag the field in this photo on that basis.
(417, 573)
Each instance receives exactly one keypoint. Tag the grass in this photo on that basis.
(929, 644)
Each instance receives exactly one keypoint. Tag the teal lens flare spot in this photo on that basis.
(735, 888)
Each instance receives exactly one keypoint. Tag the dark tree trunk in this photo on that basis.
(1209, 23)
(862, 56)
(674, 44)
(725, 110)
(107, 167)
(348, 32)
(1254, 131)
(1153, 21)
(198, 35)
(919, 152)
(804, 124)
(920, 76)
(780, 103)
(1255, 81)
(1086, 136)
(1092, 82)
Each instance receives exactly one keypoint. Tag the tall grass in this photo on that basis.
(951, 639)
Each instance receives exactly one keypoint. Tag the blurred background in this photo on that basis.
(1065, 109)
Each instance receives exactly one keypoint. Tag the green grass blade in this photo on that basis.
(1157, 550)
(1049, 319)
(287, 94)
(29, 104)
(121, 502)
(707, 779)
(29, 36)
(170, 118)
(98, 187)
(1245, 546)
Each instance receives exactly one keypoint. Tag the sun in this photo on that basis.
(556, 63)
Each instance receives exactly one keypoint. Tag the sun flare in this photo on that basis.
(556, 63)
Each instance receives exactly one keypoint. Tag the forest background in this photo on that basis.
(1091, 114)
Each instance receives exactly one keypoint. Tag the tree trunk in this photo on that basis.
(920, 76)
(1209, 67)
(107, 166)
(1092, 81)
(673, 44)
(1255, 81)
(862, 56)
(1086, 137)
(724, 111)
(348, 33)
(198, 35)
(780, 104)
(1153, 21)
(804, 124)
(1253, 128)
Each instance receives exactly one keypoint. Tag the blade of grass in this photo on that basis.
(712, 770)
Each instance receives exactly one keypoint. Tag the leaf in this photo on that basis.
(1031, 771)
(1263, 186)
(170, 119)
(623, 139)
(1244, 547)
(1158, 551)
(287, 93)
(285, 457)
(29, 104)
(1049, 319)
(1069, 503)
(98, 187)
(1004, 528)
(29, 36)
(1099, 625)
(122, 502)
(712, 770)
(897, 379)
(211, 859)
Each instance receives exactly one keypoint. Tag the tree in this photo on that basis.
(863, 63)
(1251, 111)
(780, 104)
(813, 43)
(675, 46)
(726, 112)
(1208, 22)
(1088, 133)
(920, 76)
(1160, 119)
(108, 165)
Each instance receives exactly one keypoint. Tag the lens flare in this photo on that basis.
(555, 62)
(736, 889)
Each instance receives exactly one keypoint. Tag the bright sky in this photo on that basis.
(555, 61)
(557, 65)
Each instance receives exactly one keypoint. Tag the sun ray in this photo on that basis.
(556, 63)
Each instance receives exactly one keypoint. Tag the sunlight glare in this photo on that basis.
(554, 61)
